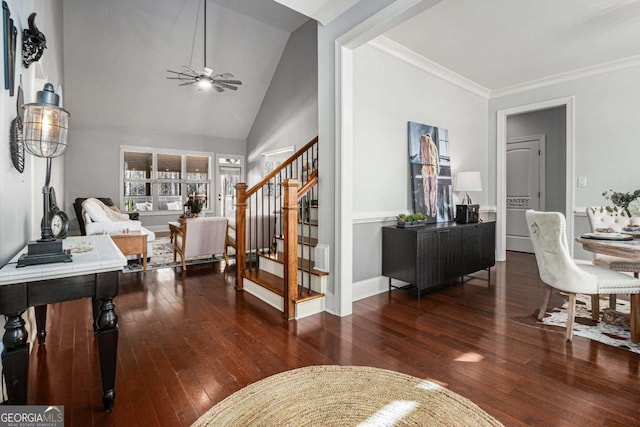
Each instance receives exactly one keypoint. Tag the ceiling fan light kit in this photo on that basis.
(204, 79)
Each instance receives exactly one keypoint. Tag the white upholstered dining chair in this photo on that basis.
(606, 219)
(559, 271)
(601, 219)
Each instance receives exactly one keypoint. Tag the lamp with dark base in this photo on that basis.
(467, 181)
(45, 135)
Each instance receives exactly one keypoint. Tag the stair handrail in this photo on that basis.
(244, 201)
(280, 167)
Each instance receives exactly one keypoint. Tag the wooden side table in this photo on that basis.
(133, 243)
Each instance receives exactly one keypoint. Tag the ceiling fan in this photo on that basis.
(204, 79)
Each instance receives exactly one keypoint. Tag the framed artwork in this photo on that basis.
(430, 169)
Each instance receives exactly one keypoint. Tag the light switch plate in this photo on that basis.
(582, 181)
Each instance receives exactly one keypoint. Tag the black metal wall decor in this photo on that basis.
(16, 143)
(6, 40)
(9, 41)
(33, 43)
(12, 57)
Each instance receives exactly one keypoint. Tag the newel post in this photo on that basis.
(290, 210)
(241, 232)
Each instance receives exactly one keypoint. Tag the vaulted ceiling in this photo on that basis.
(117, 53)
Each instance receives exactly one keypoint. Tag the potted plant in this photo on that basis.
(411, 220)
(194, 205)
(621, 200)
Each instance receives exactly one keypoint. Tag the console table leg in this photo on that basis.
(107, 324)
(41, 322)
(15, 359)
(95, 305)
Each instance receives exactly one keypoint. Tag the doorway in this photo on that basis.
(559, 191)
(230, 172)
(525, 187)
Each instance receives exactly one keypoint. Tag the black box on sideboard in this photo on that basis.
(467, 214)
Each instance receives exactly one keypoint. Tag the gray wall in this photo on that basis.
(289, 112)
(553, 124)
(381, 175)
(606, 133)
(327, 36)
(21, 194)
(606, 129)
(94, 163)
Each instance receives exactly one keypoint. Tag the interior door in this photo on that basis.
(228, 178)
(525, 177)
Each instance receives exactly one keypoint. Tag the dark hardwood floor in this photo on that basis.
(186, 344)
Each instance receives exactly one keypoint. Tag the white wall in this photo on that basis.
(288, 115)
(553, 124)
(387, 94)
(19, 215)
(21, 194)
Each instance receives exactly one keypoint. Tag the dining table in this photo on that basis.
(628, 248)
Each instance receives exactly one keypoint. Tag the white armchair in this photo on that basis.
(559, 271)
(197, 237)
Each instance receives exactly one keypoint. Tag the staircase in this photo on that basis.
(277, 237)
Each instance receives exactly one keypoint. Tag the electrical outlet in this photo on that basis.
(582, 181)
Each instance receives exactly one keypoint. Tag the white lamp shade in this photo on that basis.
(468, 181)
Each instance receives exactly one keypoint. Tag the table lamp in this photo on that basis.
(45, 135)
(467, 182)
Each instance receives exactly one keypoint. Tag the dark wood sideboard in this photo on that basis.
(437, 254)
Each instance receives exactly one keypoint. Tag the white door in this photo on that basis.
(228, 178)
(525, 188)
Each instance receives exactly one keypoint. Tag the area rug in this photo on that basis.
(613, 328)
(163, 258)
(345, 396)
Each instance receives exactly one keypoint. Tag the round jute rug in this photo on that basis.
(345, 396)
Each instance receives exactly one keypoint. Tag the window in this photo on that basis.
(162, 180)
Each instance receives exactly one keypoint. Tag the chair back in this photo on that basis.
(557, 269)
(604, 218)
(205, 236)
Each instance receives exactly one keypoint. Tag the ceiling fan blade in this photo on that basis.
(218, 88)
(226, 86)
(191, 69)
(226, 75)
(186, 84)
(181, 74)
(228, 82)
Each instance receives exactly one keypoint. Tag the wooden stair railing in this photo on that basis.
(267, 199)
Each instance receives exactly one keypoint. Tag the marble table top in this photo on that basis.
(90, 254)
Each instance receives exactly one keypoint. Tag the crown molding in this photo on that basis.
(407, 55)
(607, 67)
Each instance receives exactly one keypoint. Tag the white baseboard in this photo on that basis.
(370, 287)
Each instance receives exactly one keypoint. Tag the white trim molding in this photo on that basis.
(409, 56)
(342, 300)
(423, 63)
(376, 217)
(607, 67)
(501, 166)
(370, 287)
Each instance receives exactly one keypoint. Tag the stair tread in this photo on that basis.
(276, 284)
(309, 241)
(279, 257)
